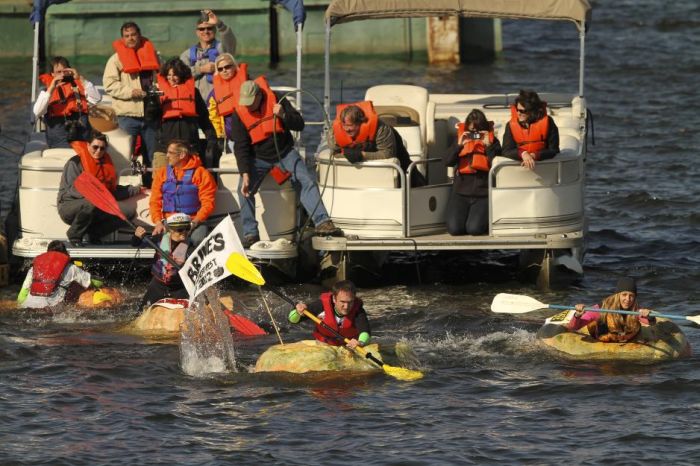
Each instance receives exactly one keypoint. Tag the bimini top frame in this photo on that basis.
(345, 11)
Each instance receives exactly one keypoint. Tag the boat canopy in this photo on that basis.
(344, 11)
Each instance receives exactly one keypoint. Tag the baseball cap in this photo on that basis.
(249, 89)
(179, 220)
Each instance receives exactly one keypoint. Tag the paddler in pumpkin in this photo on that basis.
(166, 282)
(608, 327)
(531, 134)
(341, 310)
(84, 218)
(468, 205)
(51, 277)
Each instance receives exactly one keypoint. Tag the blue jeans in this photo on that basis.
(135, 126)
(302, 180)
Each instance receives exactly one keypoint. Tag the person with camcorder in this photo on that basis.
(468, 205)
(63, 104)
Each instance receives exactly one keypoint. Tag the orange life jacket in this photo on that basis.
(347, 327)
(262, 123)
(368, 129)
(103, 169)
(472, 157)
(177, 101)
(226, 92)
(142, 58)
(47, 271)
(532, 139)
(65, 100)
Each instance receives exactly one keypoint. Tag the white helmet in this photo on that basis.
(179, 220)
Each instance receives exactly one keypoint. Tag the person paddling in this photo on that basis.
(341, 310)
(166, 282)
(51, 277)
(608, 327)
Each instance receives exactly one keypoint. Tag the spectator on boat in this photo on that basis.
(81, 214)
(260, 127)
(468, 205)
(531, 135)
(360, 135)
(129, 78)
(342, 311)
(183, 186)
(609, 327)
(173, 240)
(201, 57)
(64, 104)
(53, 279)
(184, 112)
(223, 99)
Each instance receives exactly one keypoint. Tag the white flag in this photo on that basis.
(220, 254)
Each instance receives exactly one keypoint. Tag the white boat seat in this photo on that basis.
(357, 176)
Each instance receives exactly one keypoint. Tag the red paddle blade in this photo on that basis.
(94, 191)
(245, 326)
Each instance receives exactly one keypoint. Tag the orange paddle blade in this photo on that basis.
(94, 191)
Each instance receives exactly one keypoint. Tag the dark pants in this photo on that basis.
(467, 215)
(57, 134)
(158, 290)
(84, 218)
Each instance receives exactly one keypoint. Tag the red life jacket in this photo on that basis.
(347, 327)
(177, 101)
(65, 100)
(47, 272)
(142, 58)
(368, 129)
(226, 92)
(262, 123)
(472, 157)
(103, 169)
(532, 139)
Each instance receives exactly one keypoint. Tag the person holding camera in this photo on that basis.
(81, 214)
(468, 205)
(359, 135)
(184, 113)
(531, 134)
(129, 78)
(64, 104)
(202, 55)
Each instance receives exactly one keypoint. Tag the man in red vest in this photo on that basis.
(129, 74)
(342, 311)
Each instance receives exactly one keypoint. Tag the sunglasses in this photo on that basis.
(206, 29)
(180, 229)
(520, 110)
(96, 148)
(224, 68)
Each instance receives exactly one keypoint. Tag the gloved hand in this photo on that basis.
(97, 283)
(353, 154)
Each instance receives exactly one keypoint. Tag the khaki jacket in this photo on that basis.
(119, 85)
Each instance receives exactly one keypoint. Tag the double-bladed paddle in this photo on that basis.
(504, 303)
(400, 373)
(94, 191)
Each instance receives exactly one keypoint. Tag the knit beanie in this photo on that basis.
(626, 284)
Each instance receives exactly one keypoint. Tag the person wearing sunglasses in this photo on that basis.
(202, 55)
(223, 99)
(184, 113)
(184, 185)
(173, 240)
(531, 134)
(83, 217)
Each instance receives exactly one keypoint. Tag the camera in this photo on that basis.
(68, 78)
(473, 135)
(151, 104)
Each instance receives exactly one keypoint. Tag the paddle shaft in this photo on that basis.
(340, 337)
(616, 311)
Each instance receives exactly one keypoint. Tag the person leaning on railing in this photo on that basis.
(531, 134)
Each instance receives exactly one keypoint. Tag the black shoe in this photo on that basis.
(249, 240)
(327, 228)
(97, 241)
(76, 243)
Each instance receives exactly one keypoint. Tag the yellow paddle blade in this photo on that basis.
(99, 297)
(402, 373)
(240, 266)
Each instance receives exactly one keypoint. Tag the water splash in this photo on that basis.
(206, 344)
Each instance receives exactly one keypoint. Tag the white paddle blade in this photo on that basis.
(693, 319)
(505, 303)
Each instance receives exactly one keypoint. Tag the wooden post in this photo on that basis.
(443, 40)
